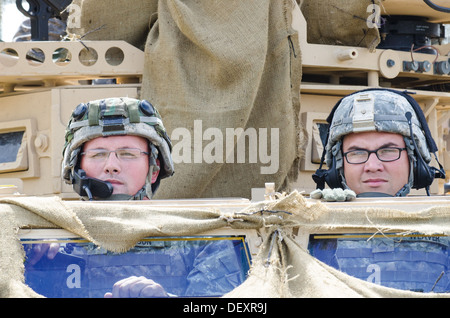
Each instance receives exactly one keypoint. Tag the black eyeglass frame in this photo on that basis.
(108, 152)
(369, 152)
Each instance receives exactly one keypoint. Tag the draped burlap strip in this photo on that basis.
(282, 267)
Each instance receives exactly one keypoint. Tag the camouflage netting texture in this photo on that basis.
(224, 64)
(291, 272)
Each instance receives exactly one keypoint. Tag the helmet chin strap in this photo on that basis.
(403, 192)
(140, 195)
(119, 197)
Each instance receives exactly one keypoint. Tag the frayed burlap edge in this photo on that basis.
(282, 267)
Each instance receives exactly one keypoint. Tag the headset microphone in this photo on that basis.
(90, 187)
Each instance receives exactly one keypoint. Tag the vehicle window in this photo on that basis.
(184, 266)
(409, 262)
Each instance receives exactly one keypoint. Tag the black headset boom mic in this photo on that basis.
(90, 187)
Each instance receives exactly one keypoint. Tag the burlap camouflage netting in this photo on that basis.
(292, 271)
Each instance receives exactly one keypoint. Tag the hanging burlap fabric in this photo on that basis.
(112, 20)
(216, 66)
(341, 22)
(282, 267)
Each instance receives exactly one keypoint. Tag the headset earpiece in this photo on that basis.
(423, 174)
(332, 177)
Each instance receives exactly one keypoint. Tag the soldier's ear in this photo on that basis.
(155, 174)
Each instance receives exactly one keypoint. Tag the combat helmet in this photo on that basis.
(383, 110)
(113, 117)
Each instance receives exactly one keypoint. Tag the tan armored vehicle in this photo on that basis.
(274, 225)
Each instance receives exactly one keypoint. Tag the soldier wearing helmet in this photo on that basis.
(116, 149)
(378, 144)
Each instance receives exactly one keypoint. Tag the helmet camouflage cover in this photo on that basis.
(114, 117)
(375, 110)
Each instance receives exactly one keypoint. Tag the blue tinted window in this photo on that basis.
(184, 267)
(414, 262)
(9, 146)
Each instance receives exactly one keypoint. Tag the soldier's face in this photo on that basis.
(126, 176)
(375, 175)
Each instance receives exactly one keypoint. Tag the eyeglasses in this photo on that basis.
(385, 154)
(125, 154)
